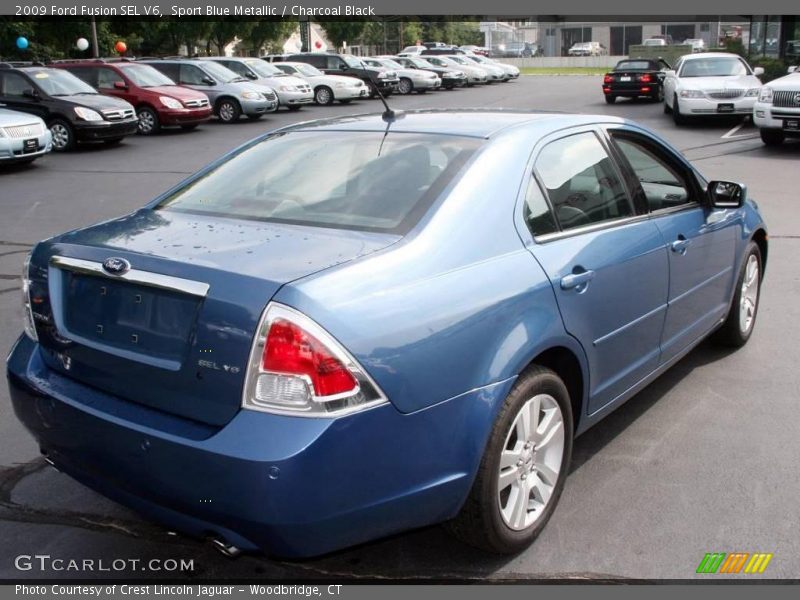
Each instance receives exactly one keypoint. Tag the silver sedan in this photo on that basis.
(411, 80)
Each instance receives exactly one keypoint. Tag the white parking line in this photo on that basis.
(732, 132)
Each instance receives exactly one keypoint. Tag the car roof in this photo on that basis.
(479, 123)
(711, 55)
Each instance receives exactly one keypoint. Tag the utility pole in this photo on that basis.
(95, 48)
(305, 34)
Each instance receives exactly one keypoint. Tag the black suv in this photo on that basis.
(346, 64)
(72, 109)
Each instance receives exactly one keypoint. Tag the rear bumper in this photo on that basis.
(632, 91)
(12, 149)
(291, 486)
(185, 116)
(105, 130)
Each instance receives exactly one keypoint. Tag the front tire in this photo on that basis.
(323, 95)
(677, 115)
(610, 98)
(148, 121)
(738, 326)
(405, 87)
(228, 110)
(63, 135)
(771, 137)
(523, 469)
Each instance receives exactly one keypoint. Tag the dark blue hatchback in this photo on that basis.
(354, 327)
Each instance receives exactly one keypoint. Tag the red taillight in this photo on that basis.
(645, 89)
(645, 78)
(290, 350)
(608, 79)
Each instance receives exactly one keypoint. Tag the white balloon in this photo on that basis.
(83, 44)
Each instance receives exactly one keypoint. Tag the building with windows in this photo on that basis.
(773, 36)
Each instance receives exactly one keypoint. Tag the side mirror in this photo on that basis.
(344, 67)
(251, 76)
(758, 71)
(120, 85)
(31, 93)
(726, 194)
(792, 69)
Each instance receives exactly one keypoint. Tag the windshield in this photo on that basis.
(714, 67)
(55, 82)
(370, 182)
(217, 71)
(458, 59)
(422, 64)
(352, 61)
(388, 62)
(263, 69)
(146, 76)
(308, 70)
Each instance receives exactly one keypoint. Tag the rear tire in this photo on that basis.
(610, 99)
(741, 319)
(527, 456)
(772, 137)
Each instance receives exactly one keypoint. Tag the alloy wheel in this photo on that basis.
(61, 136)
(147, 122)
(323, 96)
(530, 462)
(405, 86)
(749, 295)
(226, 111)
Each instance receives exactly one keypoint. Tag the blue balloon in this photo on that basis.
(22, 43)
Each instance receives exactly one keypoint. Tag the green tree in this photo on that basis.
(339, 32)
(224, 31)
(263, 33)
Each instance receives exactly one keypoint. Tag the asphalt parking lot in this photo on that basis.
(703, 460)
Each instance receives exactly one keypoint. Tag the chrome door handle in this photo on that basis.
(576, 280)
(680, 245)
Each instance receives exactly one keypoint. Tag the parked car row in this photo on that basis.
(711, 84)
(104, 100)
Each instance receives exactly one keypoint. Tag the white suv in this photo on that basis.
(776, 113)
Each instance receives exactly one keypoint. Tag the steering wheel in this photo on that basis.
(570, 217)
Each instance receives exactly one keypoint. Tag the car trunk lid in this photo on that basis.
(172, 328)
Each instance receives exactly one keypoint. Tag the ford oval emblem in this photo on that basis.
(116, 266)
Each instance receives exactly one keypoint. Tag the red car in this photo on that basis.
(158, 101)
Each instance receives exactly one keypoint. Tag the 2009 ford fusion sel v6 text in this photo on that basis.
(300, 349)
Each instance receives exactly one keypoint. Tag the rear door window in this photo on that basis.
(581, 181)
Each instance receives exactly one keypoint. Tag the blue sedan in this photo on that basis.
(353, 327)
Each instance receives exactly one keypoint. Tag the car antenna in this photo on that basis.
(388, 115)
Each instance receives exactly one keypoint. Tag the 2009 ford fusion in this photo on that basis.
(353, 327)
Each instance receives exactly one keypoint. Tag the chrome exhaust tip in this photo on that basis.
(225, 548)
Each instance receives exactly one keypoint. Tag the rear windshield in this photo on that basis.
(350, 180)
(634, 65)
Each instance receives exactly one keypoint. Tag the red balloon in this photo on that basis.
(120, 47)
(318, 44)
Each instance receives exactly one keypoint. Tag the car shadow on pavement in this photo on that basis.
(596, 438)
